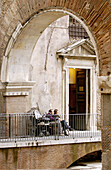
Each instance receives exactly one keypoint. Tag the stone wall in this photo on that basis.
(106, 131)
(46, 69)
(44, 157)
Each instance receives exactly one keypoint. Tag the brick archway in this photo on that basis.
(24, 39)
(94, 13)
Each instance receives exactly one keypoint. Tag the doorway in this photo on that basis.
(79, 97)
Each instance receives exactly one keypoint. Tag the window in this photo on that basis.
(76, 31)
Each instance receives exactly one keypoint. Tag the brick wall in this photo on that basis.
(106, 132)
(44, 157)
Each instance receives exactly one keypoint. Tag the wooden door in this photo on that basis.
(80, 122)
(72, 103)
(81, 91)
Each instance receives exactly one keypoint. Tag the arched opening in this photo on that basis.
(25, 37)
(91, 160)
(23, 63)
(97, 15)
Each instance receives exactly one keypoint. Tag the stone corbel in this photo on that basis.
(18, 88)
(105, 84)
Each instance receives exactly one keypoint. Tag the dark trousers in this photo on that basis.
(64, 125)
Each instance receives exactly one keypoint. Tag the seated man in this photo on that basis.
(63, 122)
(50, 115)
(55, 124)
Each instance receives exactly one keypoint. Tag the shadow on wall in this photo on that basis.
(94, 156)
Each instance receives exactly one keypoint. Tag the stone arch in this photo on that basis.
(95, 13)
(84, 149)
(16, 66)
(91, 156)
(23, 40)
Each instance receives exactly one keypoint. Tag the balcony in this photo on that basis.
(16, 127)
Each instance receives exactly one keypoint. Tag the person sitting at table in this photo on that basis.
(63, 122)
(50, 115)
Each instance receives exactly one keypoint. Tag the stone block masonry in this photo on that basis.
(44, 157)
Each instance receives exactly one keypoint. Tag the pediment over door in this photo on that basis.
(79, 48)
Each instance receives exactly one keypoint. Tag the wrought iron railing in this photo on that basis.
(27, 126)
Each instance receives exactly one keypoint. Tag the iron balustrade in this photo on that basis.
(27, 126)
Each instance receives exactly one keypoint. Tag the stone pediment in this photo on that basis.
(78, 48)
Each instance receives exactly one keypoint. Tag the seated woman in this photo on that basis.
(63, 122)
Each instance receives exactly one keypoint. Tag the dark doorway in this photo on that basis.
(81, 91)
(77, 97)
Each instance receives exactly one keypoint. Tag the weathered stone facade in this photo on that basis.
(14, 14)
(45, 64)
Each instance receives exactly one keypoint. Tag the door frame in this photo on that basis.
(93, 91)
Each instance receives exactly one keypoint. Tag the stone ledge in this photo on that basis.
(18, 88)
(30, 143)
(16, 93)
